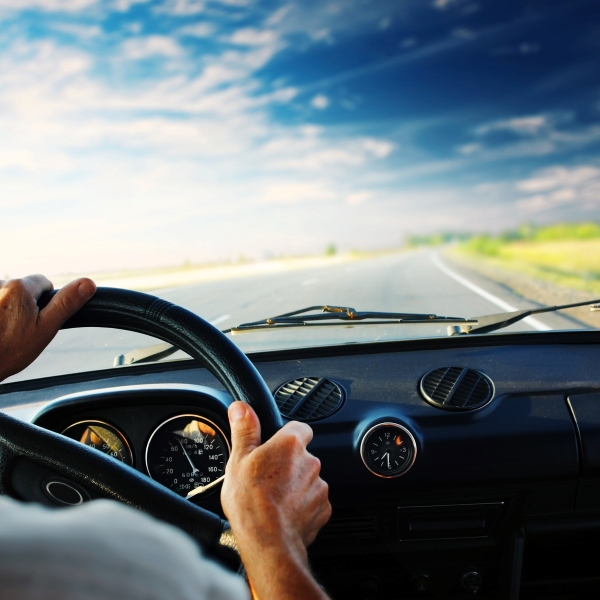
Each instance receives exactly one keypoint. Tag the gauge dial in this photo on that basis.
(102, 437)
(187, 454)
(388, 450)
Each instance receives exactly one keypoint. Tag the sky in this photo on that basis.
(141, 133)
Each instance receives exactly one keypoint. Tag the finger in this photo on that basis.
(302, 431)
(245, 429)
(36, 285)
(66, 302)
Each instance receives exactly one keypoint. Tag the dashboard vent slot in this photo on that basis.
(357, 527)
(457, 388)
(309, 398)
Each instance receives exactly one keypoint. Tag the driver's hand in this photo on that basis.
(24, 329)
(273, 495)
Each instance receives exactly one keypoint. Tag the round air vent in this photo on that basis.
(309, 398)
(457, 388)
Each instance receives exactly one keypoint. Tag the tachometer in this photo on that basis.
(388, 450)
(103, 437)
(187, 454)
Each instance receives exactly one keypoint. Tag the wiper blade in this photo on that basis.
(488, 323)
(342, 316)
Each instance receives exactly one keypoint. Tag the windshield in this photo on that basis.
(246, 159)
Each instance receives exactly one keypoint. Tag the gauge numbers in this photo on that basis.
(187, 454)
(388, 450)
(102, 437)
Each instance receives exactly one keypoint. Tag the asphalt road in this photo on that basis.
(421, 282)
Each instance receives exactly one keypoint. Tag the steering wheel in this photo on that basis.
(108, 478)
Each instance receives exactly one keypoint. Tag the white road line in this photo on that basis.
(310, 281)
(531, 321)
(220, 319)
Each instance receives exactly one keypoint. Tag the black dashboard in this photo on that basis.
(495, 501)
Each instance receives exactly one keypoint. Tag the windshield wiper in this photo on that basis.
(345, 314)
(487, 323)
(331, 316)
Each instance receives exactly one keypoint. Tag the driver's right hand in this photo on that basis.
(273, 495)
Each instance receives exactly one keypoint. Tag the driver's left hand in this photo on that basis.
(25, 330)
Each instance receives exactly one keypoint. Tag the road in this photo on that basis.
(419, 281)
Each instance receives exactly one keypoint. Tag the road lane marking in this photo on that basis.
(220, 319)
(505, 306)
(310, 281)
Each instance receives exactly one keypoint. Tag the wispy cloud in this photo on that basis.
(559, 186)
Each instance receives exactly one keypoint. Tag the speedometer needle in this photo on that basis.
(194, 470)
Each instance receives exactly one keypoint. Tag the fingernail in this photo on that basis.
(86, 289)
(237, 411)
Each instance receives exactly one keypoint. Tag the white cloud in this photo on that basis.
(149, 46)
(199, 30)
(356, 198)
(125, 5)
(79, 154)
(559, 177)
(292, 192)
(279, 15)
(48, 5)
(559, 186)
(253, 37)
(320, 102)
(83, 32)
(181, 8)
(529, 125)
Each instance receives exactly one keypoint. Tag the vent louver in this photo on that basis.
(358, 527)
(309, 398)
(457, 388)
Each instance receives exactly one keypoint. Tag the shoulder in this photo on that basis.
(105, 547)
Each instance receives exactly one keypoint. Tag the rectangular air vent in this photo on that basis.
(450, 521)
(349, 527)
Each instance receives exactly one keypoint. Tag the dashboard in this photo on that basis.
(456, 467)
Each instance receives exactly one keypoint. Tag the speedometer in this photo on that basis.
(187, 454)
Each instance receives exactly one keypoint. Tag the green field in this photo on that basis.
(566, 255)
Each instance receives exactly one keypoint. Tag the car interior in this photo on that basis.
(457, 467)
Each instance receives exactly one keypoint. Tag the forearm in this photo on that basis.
(281, 574)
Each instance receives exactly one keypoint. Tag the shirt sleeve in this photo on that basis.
(103, 550)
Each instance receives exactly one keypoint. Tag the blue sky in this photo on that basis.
(139, 133)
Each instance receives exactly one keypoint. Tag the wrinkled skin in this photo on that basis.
(276, 504)
(273, 495)
(24, 329)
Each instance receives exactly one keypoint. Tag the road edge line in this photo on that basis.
(531, 321)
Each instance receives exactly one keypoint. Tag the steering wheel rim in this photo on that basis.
(143, 313)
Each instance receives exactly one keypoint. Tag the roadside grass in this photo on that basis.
(570, 263)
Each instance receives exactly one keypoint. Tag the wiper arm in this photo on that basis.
(345, 314)
(297, 318)
(488, 323)
(147, 354)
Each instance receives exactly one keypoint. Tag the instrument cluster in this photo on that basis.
(186, 453)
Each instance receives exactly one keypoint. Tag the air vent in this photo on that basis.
(457, 388)
(346, 526)
(309, 398)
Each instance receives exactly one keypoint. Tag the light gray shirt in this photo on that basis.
(103, 551)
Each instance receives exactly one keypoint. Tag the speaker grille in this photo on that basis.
(457, 388)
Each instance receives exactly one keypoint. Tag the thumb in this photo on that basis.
(66, 302)
(245, 429)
